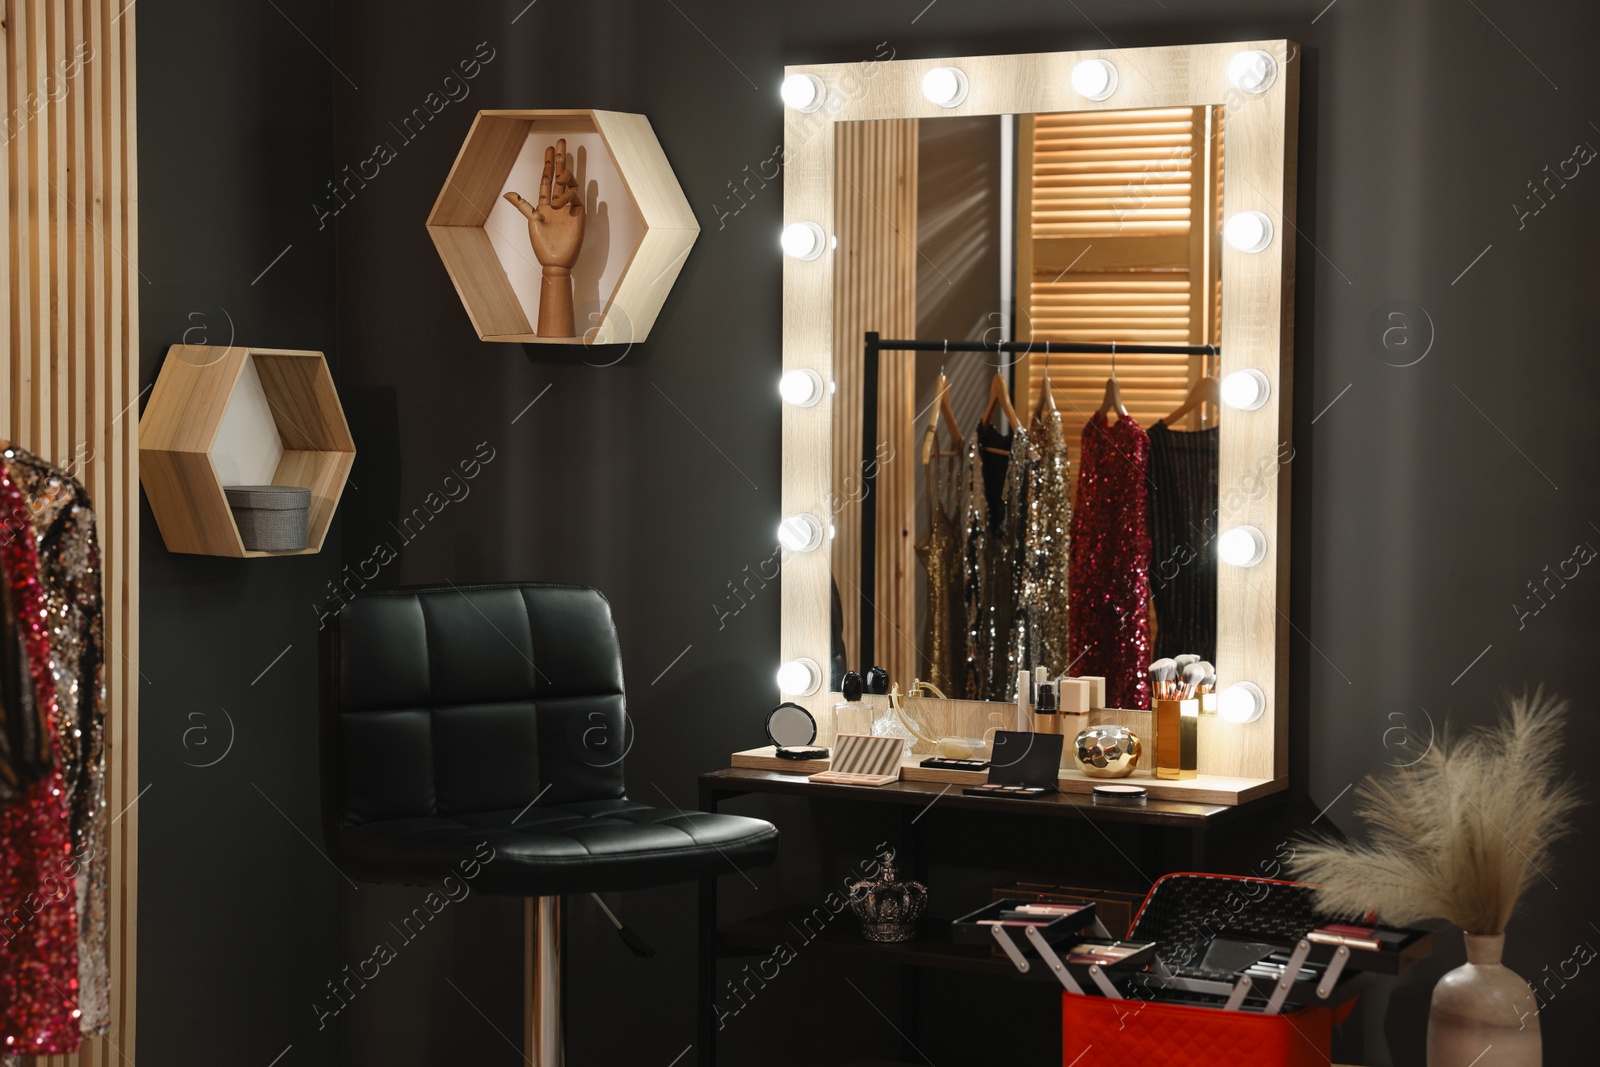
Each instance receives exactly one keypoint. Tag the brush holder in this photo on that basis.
(1177, 738)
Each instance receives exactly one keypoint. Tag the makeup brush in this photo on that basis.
(1162, 673)
(1184, 660)
(1193, 675)
(1209, 683)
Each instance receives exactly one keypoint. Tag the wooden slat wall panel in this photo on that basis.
(69, 318)
(875, 288)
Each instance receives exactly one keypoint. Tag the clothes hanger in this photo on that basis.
(1206, 391)
(1113, 397)
(1046, 401)
(999, 396)
(941, 407)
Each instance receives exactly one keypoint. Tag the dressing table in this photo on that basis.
(1136, 196)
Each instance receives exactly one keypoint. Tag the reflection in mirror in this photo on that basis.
(1009, 492)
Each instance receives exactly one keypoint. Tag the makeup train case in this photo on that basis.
(1175, 1016)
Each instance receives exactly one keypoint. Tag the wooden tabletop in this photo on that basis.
(1166, 813)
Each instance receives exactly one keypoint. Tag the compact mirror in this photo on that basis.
(789, 725)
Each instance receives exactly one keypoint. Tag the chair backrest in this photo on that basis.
(466, 699)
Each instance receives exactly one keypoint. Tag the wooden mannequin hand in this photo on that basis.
(555, 229)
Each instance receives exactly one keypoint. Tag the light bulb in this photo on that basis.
(1241, 702)
(1253, 71)
(800, 533)
(803, 92)
(799, 677)
(1246, 390)
(803, 240)
(945, 86)
(1248, 231)
(1094, 78)
(1242, 546)
(802, 388)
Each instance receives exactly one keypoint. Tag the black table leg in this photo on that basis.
(910, 979)
(706, 951)
(914, 866)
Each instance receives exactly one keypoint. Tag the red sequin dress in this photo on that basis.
(1109, 580)
(69, 582)
(38, 913)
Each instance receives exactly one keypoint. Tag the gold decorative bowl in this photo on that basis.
(1108, 751)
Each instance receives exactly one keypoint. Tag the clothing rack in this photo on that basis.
(875, 345)
(869, 429)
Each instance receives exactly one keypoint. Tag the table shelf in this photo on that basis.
(841, 939)
(1172, 814)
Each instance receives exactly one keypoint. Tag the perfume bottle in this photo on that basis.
(889, 724)
(851, 716)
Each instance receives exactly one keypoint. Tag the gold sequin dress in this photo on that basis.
(70, 583)
(1046, 561)
(994, 488)
(945, 623)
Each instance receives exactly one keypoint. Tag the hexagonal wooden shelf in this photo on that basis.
(240, 416)
(638, 233)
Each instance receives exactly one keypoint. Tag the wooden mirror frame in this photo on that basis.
(1257, 331)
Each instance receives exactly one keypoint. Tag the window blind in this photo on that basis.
(1118, 213)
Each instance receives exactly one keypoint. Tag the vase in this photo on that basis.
(1483, 1015)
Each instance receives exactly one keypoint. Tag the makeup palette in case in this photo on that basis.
(976, 928)
(1023, 767)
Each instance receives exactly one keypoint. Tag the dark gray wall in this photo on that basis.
(238, 912)
(1426, 496)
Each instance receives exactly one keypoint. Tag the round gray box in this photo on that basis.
(271, 518)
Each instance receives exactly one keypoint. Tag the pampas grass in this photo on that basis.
(1459, 834)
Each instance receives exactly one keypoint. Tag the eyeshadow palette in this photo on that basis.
(863, 759)
(945, 763)
(1025, 759)
(1012, 792)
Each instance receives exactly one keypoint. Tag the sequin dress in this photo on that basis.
(1183, 540)
(38, 919)
(994, 489)
(69, 574)
(1042, 600)
(27, 749)
(1109, 623)
(945, 622)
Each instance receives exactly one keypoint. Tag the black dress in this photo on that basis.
(1183, 540)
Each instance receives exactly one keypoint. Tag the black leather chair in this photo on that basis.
(460, 720)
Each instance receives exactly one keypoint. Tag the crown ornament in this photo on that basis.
(887, 907)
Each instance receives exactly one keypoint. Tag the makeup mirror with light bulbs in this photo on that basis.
(858, 136)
